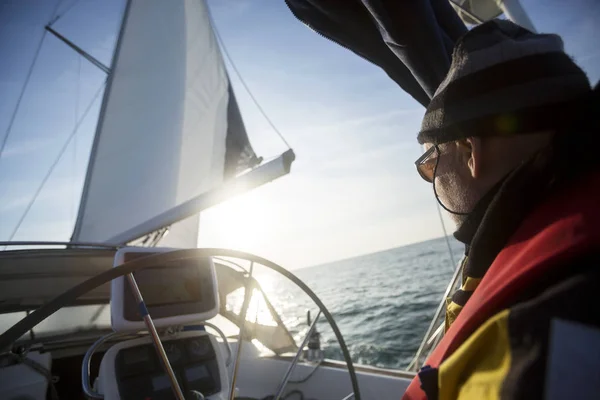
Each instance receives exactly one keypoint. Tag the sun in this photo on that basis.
(246, 222)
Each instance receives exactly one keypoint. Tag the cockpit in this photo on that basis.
(157, 323)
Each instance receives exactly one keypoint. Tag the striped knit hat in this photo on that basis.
(504, 80)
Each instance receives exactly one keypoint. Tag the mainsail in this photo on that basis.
(169, 129)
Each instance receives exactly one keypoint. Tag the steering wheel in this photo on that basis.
(8, 338)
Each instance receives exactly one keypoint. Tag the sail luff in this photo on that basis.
(107, 89)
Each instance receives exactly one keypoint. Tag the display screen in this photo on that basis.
(161, 382)
(136, 355)
(140, 375)
(197, 373)
(166, 286)
(179, 288)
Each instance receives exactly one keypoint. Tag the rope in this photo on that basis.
(237, 72)
(51, 169)
(446, 236)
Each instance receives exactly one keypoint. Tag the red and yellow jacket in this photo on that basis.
(538, 295)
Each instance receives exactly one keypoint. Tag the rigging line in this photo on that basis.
(60, 154)
(26, 83)
(74, 165)
(20, 98)
(237, 72)
(446, 236)
(62, 14)
(79, 50)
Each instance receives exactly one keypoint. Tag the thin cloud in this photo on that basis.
(24, 147)
(359, 122)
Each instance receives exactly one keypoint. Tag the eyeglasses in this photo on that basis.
(427, 162)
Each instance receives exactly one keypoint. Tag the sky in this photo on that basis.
(353, 188)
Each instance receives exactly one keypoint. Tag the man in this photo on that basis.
(511, 151)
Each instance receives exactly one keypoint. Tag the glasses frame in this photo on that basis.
(424, 157)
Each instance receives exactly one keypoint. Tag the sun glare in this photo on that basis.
(246, 223)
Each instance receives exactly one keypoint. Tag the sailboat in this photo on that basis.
(98, 316)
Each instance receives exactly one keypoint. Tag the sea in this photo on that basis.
(382, 302)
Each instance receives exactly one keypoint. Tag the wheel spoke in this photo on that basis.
(288, 373)
(247, 296)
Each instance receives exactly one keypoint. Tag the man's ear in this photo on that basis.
(474, 161)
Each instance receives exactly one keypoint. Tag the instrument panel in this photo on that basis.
(138, 374)
(179, 292)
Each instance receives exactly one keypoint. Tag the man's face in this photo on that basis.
(454, 182)
(468, 168)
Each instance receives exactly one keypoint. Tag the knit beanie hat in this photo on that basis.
(504, 80)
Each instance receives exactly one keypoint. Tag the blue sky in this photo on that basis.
(353, 188)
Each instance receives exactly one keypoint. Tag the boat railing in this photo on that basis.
(435, 330)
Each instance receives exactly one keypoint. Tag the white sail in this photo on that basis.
(161, 138)
(477, 11)
(473, 12)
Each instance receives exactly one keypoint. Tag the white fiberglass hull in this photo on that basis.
(259, 377)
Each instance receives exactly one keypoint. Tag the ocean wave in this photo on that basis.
(382, 303)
